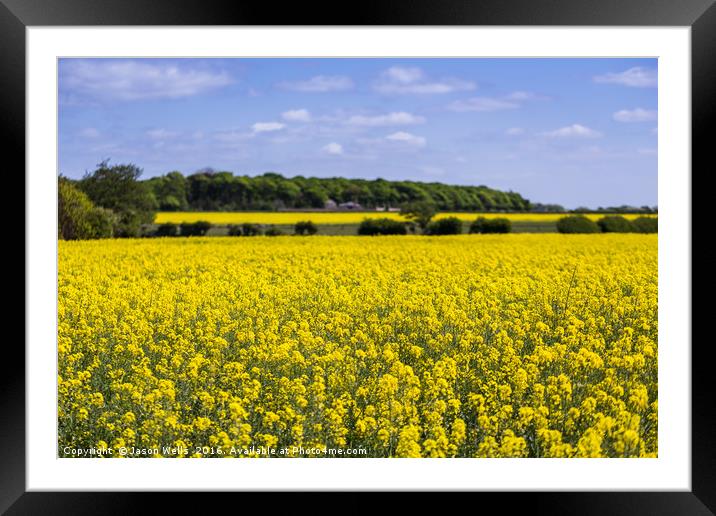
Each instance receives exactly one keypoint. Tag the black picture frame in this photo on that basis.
(700, 15)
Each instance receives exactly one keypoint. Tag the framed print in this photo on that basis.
(253, 236)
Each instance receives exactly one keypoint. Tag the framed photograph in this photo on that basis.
(426, 249)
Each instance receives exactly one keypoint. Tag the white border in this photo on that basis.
(670, 471)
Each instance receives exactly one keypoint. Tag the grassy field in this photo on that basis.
(410, 346)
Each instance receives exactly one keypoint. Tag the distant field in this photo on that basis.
(339, 218)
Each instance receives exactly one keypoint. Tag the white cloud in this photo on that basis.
(404, 75)
(521, 96)
(90, 133)
(129, 80)
(573, 131)
(264, 127)
(405, 80)
(514, 131)
(410, 139)
(483, 104)
(296, 115)
(512, 100)
(321, 84)
(636, 77)
(333, 148)
(635, 115)
(395, 118)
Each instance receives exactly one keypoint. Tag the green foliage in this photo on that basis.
(645, 225)
(446, 226)
(615, 224)
(78, 218)
(168, 229)
(305, 227)
(382, 227)
(117, 188)
(419, 212)
(245, 229)
(170, 191)
(222, 191)
(485, 225)
(577, 224)
(198, 228)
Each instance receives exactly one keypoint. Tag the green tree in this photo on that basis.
(118, 188)
(420, 212)
(78, 218)
(170, 191)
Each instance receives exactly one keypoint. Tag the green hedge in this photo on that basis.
(577, 224)
(485, 225)
(382, 227)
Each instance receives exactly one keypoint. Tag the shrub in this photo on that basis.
(103, 222)
(168, 229)
(78, 218)
(645, 225)
(245, 229)
(382, 227)
(577, 224)
(198, 228)
(305, 227)
(446, 226)
(615, 224)
(484, 225)
(273, 231)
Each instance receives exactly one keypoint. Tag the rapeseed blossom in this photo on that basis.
(520, 345)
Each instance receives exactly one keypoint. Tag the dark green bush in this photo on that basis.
(577, 224)
(305, 227)
(615, 224)
(198, 228)
(645, 225)
(273, 231)
(245, 229)
(168, 229)
(476, 226)
(484, 225)
(446, 226)
(382, 227)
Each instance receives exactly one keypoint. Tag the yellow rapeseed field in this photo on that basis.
(410, 346)
(347, 217)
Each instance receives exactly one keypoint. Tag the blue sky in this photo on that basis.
(569, 131)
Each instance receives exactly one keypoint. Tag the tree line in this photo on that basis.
(223, 191)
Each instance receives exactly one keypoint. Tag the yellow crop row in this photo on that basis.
(278, 217)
